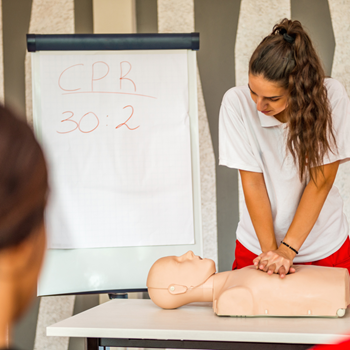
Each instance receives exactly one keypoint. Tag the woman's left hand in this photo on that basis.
(276, 261)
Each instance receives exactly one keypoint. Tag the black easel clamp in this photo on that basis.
(101, 42)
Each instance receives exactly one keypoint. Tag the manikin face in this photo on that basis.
(270, 98)
(193, 265)
(188, 270)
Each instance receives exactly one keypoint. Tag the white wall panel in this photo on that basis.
(340, 14)
(52, 310)
(177, 16)
(256, 20)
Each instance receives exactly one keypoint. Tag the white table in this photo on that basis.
(140, 323)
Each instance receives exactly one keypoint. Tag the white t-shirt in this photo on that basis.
(252, 141)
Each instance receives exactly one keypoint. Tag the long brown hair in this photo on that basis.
(287, 57)
(23, 180)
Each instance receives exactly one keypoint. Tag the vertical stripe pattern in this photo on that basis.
(340, 14)
(49, 17)
(256, 19)
(177, 16)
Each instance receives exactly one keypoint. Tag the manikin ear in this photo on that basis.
(177, 289)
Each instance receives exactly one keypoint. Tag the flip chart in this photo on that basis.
(115, 129)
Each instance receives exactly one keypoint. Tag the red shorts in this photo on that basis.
(341, 258)
(344, 345)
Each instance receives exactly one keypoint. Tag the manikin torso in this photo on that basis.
(310, 291)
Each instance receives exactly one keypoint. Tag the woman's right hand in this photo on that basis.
(278, 261)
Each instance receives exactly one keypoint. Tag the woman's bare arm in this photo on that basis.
(259, 208)
(305, 218)
(310, 205)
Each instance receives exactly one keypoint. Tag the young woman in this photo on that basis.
(287, 132)
(23, 191)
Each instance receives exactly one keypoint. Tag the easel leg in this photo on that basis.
(92, 344)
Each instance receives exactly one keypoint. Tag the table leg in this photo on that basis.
(92, 344)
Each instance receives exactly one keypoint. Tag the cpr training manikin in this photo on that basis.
(310, 291)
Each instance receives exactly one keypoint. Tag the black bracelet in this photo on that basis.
(295, 251)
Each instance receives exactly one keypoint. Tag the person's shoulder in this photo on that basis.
(335, 89)
(235, 95)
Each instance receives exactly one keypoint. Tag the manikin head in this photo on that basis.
(172, 280)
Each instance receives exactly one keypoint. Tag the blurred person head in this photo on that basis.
(23, 193)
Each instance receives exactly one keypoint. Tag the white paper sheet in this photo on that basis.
(115, 129)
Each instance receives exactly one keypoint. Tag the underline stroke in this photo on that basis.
(107, 92)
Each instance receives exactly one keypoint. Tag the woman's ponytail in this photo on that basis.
(288, 57)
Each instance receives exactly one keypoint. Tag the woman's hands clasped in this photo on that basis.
(276, 261)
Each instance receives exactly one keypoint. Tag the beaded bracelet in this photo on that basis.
(295, 251)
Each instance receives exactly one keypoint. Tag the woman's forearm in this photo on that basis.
(259, 208)
(310, 206)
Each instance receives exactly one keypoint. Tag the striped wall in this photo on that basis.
(49, 17)
(230, 30)
(340, 12)
(177, 16)
(249, 34)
